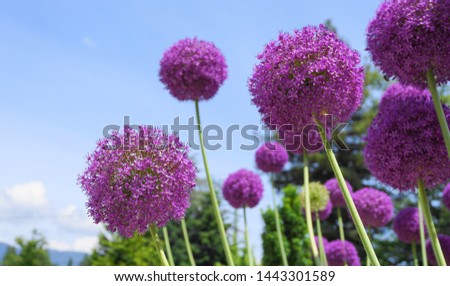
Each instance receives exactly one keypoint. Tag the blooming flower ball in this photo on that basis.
(136, 179)
(193, 69)
(446, 196)
(406, 38)
(243, 188)
(407, 225)
(340, 252)
(444, 241)
(404, 141)
(306, 140)
(271, 157)
(374, 207)
(336, 196)
(318, 197)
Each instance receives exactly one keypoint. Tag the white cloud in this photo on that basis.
(28, 195)
(83, 244)
(88, 42)
(73, 219)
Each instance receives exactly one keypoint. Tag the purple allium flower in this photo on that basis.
(271, 157)
(374, 207)
(137, 179)
(336, 196)
(297, 142)
(407, 225)
(243, 188)
(341, 252)
(444, 241)
(193, 69)
(406, 38)
(446, 196)
(304, 76)
(404, 141)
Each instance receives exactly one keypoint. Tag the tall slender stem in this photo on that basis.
(439, 110)
(323, 256)
(369, 234)
(414, 252)
(348, 198)
(278, 224)
(340, 225)
(212, 192)
(422, 237)
(430, 225)
(247, 239)
(309, 224)
(187, 242)
(168, 248)
(157, 242)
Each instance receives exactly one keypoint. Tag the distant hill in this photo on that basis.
(57, 257)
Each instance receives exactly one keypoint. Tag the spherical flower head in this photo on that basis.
(243, 188)
(340, 253)
(336, 196)
(318, 197)
(308, 139)
(404, 141)
(305, 75)
(271, 157)
(407, 225)
(407, 38)
(444, 241)
(136, 179)
(446, 196)
(374, 207)
(193, 69)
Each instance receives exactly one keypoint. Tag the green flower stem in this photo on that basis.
(278, 224)
(309, 224)
(422, 237)
(423, 200)
(323, 256)
(247, 239)
(348, 198)
(168, 248)
(414, 252)
(212, 192)
(369, 234)
(157, 242)
(187, 242)
(340, 225)
(439, 110)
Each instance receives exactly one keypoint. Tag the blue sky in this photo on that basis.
(69, 68)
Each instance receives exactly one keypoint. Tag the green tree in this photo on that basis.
(29, 253)
(293, 227)
(118, 251)
(202, 231)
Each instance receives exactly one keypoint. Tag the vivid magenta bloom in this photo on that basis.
(341, 252)
(407, 225)
(404, 141)
(444, 241)
(243, 188)
(406, 38)
(336, 196)
(446, 196)
(303, 76)
(138, 179)
(375, 207)
(193, 69)
(306, 140)
(271, 157)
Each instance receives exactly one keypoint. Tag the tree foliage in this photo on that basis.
(29, 252)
